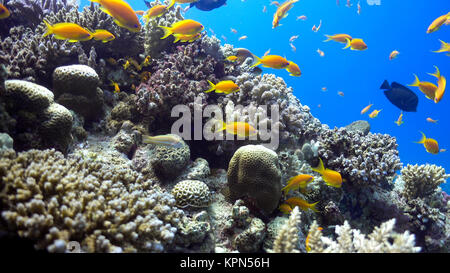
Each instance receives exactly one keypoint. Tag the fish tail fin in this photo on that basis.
(320, 168)
(95, 1)
(177, 38)
(222, 127)
(258, 61)
(49, 28)
(285, 189)
(416, 81)
(349, 43)
(437, 74)
(313, 206)
(328, 38)
(212, 87)
(385, 85)
(167, 32)
(171, 4)
(422, 140)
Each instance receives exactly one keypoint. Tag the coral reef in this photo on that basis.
(287, 239)
(169, 161)
(422, 180)
(191, 193)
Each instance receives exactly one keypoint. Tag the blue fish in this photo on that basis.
(207, 5)
(400, 96)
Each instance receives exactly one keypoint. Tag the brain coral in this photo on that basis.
(254, 172)
(192, 193)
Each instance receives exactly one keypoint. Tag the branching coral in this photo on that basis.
(287, 239)
(422, 180)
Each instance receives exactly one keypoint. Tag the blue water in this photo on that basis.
(394, 25)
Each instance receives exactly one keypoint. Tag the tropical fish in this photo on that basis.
(267, 52)
(438, 22)
(307, 247)
(400, 96)
(331, 178)
(431, 145)
(340, 93)
(4, 12)
(324, 89)
(321, 53)
(103, 35)
(226, 87)
(365, 109)
(239, 128)
(67, 31)
(445, 47)
(116, 87)
(233, 30)
(272, 61)
(207, 5)
(302, 17)
(186, 38)
(393, 55)
(180, 2)
(293, 38)
(375, 113)
(243, 54)
(285, 208)
(282, 12)
(341, 38)
(442, 82)
(442, 150)
(172, 141)
(399, 121)
(146, 61)
(359, 8)
(242, 38)
(293, 47)
(231, 58)
(126, 65)
(155, 11)
(293, 69)
(316, 29)
(303, 204)
(186, 27)
(431, 120)
(264, 9)
(124, 16)
(428, 88)
(355, 44)
(140, 12)
(297, 182)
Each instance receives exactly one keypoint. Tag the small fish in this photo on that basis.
(340, 93)
(375, 113)
(393, 55)
(316, 29)
(297, 182)
(285, 208)
(242, 38)
(348, 5)
(103, 35)
(186, 27)
(231, 58)
(321, 53)
(359, 8)
(172, 141)
(445, 47)
(146, 61)
(67, 31)
(140, 12)
(324, 89)
(442, 82)
(272, 61)
(126, 65)
(340, 38)
(233, 30)
(293, 38)
(293, 47)
(239, 128)
(155, 11)
(399, 121)
(186, 38)
(331, 178)
(431, 145)
(116, 87)
(302, 17)
(303, 204)
(124, 16)
(432, 120)
(4, 12)
(355, 44)
(365, 109)
(267, 52)
(243, 54)
(225, 87)
(264, 9)
(442, 150)
(307, 247)
(438, 22)
(428, 88)
(282, 12)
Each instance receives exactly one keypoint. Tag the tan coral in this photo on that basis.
(191, 193)
(422, 180)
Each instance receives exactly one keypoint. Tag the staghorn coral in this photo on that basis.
(363, 159)
(104, 207)
(254, 173)
(422, 180)
(288, 239)
(383, 239)
(191, 193)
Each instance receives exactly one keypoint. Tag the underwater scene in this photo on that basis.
(225, 126)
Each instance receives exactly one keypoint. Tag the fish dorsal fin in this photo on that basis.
(385, 85)
(105, 11)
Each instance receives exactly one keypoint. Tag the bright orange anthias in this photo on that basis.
(282, 12)
(124, 16)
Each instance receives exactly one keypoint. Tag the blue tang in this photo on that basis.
(207, 5)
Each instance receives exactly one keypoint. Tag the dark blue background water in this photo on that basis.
(394, 25)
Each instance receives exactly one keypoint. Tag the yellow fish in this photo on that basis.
(293, 69)
(303, 204)
(186, 38)
(331, 178)
(285, 208)
(146, 61)
(116, 87)
(365, 109)
(155, 11)
(308, 248)
(375, 113)
(442, 82)
(445, 47)
(103, 35)
(239, 128)
(181, 2)
(355, 44)
(399, 121)
(297, 182)
(226, 87)
(341, 38)
(164, 140)
(272, 61)
(231, 58)
(67, 31)
(186, 27)
(282, 12)
(126, 65)
(438, 22)
(428, 88)
(124, 16)
(431, 145)
(4, 12)
(393, 55)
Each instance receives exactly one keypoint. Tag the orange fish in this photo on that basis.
(233, 30)
(308, 248)
(331, 178)
(4, 12)
(297, 182)
(282, 12)
(186, 27)
(340, 93)
(432, 120)
(316, 29)
(321, 53)
(365, 109)
(324, 89)
(375, 113)
(103, 35)
(428, 88)
(431, 145)
(341, 38)
(303, 204)
(67, 31)
(231, 58)
(399, 121)
(293, 69)
(155, 11)
(225, 87)
(393, 55)
(186, 38)
(272, 61)
(241, 129)
(285, 208)
(116, 87)
(302, 17)
(438, 22)
(242, 38)
(442, 82)
(124, 16)
(355, 44)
